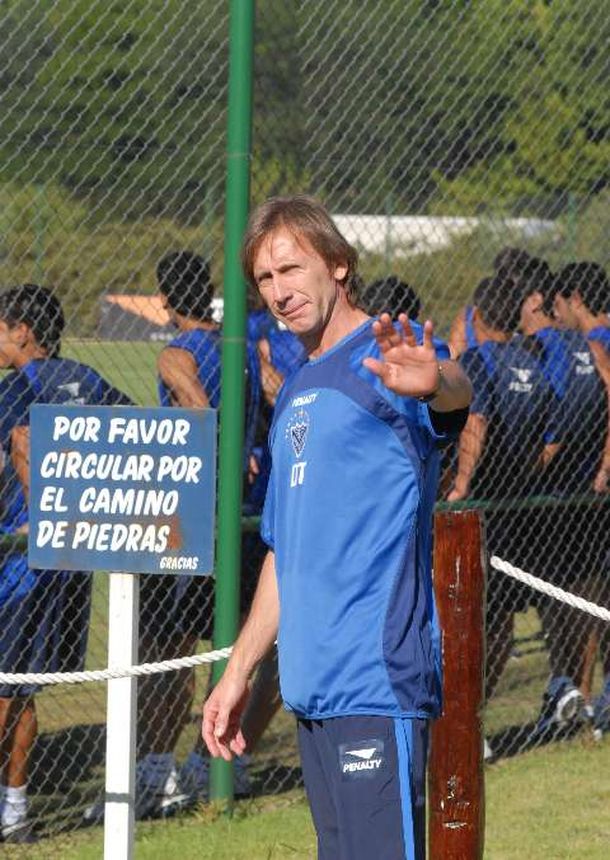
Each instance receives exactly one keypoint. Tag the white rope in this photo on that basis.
(110, 674)
(46, 678)
(550, 590)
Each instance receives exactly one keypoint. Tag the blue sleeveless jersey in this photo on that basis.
(205, 347)
(569, 367)
(471, 338)
(522, 414)
(286, 350)
(50, 380)
(600, 334)
(348, 515)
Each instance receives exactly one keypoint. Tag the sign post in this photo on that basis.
(119, 817)
(122, 489)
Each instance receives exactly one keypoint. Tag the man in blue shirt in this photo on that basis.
(177, 611)
(569, 536)
(346, 583)
(510, 436)
(582, 302)
(44, 615)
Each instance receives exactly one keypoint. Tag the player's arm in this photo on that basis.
(222, 711)
(270, 377)
(470, 449)
(410, 369)
(457, 341)
(20, 457)
(549, 451)
(178, 370)
(602, 363)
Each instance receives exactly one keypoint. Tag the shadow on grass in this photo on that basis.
(67, 773)
(517, 739)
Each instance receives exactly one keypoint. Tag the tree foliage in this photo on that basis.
(377, 105)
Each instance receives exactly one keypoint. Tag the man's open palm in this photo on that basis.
(405, 367)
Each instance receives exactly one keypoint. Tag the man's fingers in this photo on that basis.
(405, 323)
(208, 735)
(375, 366)
(428, 340)
(238, 743)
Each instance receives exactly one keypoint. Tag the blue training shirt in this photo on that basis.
(348, 515)
(600, 334)
(49, 380)
(286, 350)
(569, 367)
(205, 347)
(522, 414)
(471, 338)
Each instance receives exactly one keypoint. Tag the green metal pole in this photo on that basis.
(241, 53)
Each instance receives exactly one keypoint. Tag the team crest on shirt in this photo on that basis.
(521, 379)
(71, 391)
(297, 429)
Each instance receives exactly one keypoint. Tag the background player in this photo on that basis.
(509, 432)
(568, 367)
(177, 611)
(44, 615)
(391, 295)
(582, 301)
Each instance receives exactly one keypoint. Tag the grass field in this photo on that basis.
(549, 804)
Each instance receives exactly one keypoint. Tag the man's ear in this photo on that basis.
(339, 271)
(21, 334)
(575, 300)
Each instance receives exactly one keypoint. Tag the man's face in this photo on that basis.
(11, 342)
(563, 312)
(296, 284)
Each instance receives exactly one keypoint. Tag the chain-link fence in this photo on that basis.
(438, 134)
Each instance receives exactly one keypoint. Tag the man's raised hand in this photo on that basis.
(405, 367)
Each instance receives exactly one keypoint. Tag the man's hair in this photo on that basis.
(307, 218)
(509, 262)
(498, 300)
(591, 283)
(535, 276)
(392, 295)
(184, 279)
(39, 309)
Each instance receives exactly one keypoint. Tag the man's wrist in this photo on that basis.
(432, 395)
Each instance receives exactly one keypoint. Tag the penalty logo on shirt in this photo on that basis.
(362, 759)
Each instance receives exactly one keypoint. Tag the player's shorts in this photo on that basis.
(181, 605)
(365, 778)
(44, 621)
(511, 536)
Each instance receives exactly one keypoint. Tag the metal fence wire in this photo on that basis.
(463, 148)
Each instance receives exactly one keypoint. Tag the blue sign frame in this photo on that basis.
(122, 488)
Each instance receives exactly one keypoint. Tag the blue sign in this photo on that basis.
(122, 488)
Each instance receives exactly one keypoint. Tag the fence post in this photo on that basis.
(456, 780)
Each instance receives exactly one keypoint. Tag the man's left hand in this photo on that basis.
(405, 367)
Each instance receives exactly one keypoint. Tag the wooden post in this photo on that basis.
(455, 772)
